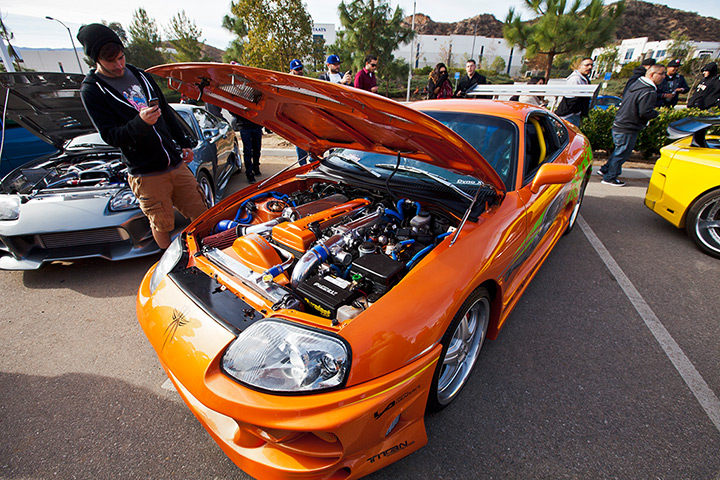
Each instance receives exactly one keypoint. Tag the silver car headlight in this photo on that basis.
(167, 262)
(125, 199)
(282, 357)
(9, 207)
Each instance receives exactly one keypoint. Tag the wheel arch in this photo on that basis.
(683, 220)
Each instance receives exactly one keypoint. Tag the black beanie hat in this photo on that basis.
(94, 36)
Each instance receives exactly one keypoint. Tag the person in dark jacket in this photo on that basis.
(471, 79)
(707, 94)
(131, 113)
(638, 72)
(634, 113)
(438, 84)
(672, 86)
(574, 109)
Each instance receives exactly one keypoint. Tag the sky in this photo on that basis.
(26, 18)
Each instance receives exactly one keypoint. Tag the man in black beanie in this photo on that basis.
(131, 113)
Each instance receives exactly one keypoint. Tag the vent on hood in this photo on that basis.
(245, 92)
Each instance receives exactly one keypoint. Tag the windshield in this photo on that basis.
(494, 138)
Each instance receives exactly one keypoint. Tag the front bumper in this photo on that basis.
(335, 435)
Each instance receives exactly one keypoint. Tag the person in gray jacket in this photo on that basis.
(634, 113)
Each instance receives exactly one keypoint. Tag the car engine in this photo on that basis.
(329, 250)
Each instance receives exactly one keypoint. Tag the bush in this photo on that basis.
(597, 128)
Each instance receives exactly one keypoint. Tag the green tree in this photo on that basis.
(8, 35)
(277, 32)
(561, 28)
(184, 36)
(237, 27)
(680, 47)
(372, 27)
(144, 49)
(606, 61)
(498, 65)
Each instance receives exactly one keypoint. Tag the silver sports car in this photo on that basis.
(76, 203)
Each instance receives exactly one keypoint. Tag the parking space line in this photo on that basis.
(703, 393)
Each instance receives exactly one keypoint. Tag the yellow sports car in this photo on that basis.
(685, 184)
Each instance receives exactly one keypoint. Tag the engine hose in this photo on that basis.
(401, 244)
(419, 255)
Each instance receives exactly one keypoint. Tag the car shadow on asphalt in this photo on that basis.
(93, 277)
(88, 426)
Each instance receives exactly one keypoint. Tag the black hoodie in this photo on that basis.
(707, 94)
(636, 108)
(145, 148)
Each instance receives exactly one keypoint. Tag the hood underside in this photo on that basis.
(47, 104)
(317, 115)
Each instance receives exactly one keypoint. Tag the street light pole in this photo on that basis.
(412, 44)
(71, 40)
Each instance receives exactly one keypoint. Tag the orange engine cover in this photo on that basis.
(298, 237)
(255, 252)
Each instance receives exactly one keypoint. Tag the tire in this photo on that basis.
(206, 187)
(461, 343)
(576, 208)
(703, 223)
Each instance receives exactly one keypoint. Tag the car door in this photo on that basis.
(221, 137)
(544, 141)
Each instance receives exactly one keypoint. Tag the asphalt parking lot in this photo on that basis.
(609, 367)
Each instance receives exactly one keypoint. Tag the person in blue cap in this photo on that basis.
(296, 68)
(333, 72)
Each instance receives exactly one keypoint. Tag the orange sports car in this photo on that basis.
(310, 320)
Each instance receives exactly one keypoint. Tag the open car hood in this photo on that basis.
(317, 115)
(47, 104)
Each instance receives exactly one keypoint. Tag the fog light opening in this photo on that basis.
(392, 425)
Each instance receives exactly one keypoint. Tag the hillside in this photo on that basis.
(641, 19)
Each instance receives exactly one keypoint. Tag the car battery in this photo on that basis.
(326, 293)
(382, 271)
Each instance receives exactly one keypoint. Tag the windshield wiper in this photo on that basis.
(437, 178)
(357, 164)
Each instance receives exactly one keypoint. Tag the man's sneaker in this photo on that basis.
(615, 183)
(251, 179)
(256, 171)
(599, 172)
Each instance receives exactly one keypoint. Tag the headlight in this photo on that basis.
(9, 207)
(282, 357)
(124, 200)
(169, 259)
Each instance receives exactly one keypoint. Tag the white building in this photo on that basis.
(325, 31)
(52, 60)
(455, 50)
(637, 49)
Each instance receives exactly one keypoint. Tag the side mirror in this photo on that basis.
(551, 174)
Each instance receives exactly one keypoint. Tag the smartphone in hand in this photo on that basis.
(153, 102)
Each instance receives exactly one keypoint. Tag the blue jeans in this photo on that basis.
(252, 142)
(624, 145)
(573, 118)
(302, 155)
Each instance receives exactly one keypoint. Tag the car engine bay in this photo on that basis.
(330, 250)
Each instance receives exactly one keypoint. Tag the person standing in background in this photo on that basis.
(707, 94)
(672, 86)
(471, 79)
(365, 78)
(438, 84)
(573, 109)
(333, 72)
(297, 68)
